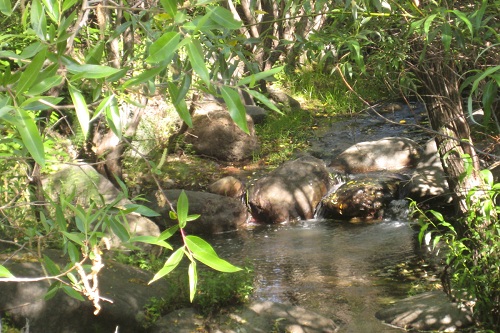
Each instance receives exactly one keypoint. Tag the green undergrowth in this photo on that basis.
(215, 291)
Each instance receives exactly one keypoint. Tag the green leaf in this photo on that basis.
(171, 263)
(72, 293)
(204, 252)
(52, 8)
(235, 107)
(169, 232)
(90, 71)
(113, 117)
(143, 77)
(6, 7)
(119, 229)
(224, 17)
(5, 273)
(164, 47)
(193, 280)
(52, 291)
(82, 111)
(45, 85)
(150, 240)
(428, 22)
(180, 104)
(30, 136)
(143, 210)
(74, 237)
(446, 36)
(197, 60)
(74, 254)
(264, 100)
(182, 209)
(259, 76)
(38, 19)
(170, 6)
(30, 74)
(464, 19)
(51, 266)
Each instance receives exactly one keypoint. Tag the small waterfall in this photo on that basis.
(338, 179)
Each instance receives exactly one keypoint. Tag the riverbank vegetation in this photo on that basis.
(76, 79)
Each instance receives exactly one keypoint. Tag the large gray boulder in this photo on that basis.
(216, 135)
(290, 192)
(428, 182)
(217, 213)
(430, 311)
(127, 287)
(387, 154)
(88, 185)
(257, 317)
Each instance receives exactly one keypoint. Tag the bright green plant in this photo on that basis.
(473, 254)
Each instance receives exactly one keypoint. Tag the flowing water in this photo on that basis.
(333, 268)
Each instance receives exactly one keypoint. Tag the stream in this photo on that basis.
(334, 268)
(337, 269)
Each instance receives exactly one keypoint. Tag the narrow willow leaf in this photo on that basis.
(150, 240)
(38, 19)
(204, 252)
(90, 71)
(259, 76)
(170, 6)
(51, 266)
(82, 111)
(197, 60)
(6, 7)
(236, 107)
(44, 85)
(113, 117)
(52, 8)
(5, 273)
(224, 17)
(143, 210)
(72, 293)
(446, 36)
(428, 22)
(182, 209)
(143, 77)
(180, 104)
(169, 232)
(74, 254)
(193, 280)
(171, 263)
(264, 100)
(106, 101)
(31, 137)
(119, 229)
(164, 47)
(30, 74)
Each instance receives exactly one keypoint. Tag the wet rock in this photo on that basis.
(365, 197)
(228, 186)
(217, 213)
(430, 311)
(290, 192)
(216, 135)
(387, 154)
(88, 185)
(255, 318)
(126, 286)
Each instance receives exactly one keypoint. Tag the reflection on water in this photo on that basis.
(326, 266)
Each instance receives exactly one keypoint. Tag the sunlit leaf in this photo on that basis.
(464, 19)
(171, 263)
(6, 7)
(30, 74)
(235, 107)
(5, 273)
(119, 229)
(45, 85)
(51, 266)
(30, 136)
(193, 280)
(113, 117)
(224, 17)
(73, 293)
(182, 209)
(204, 252)
(180, 104)
(143, 77)
(197, 60)
(259, 76)
(164, 47)
(74, 237)
(169, 232)
(82, 111)
(38, 19)
(264, 100)
(143, 210)
(170, 6)
(52, 8)
(90, 71)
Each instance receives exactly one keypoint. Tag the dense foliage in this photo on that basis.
(75, 78)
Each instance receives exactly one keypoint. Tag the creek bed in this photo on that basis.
(333, 268)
